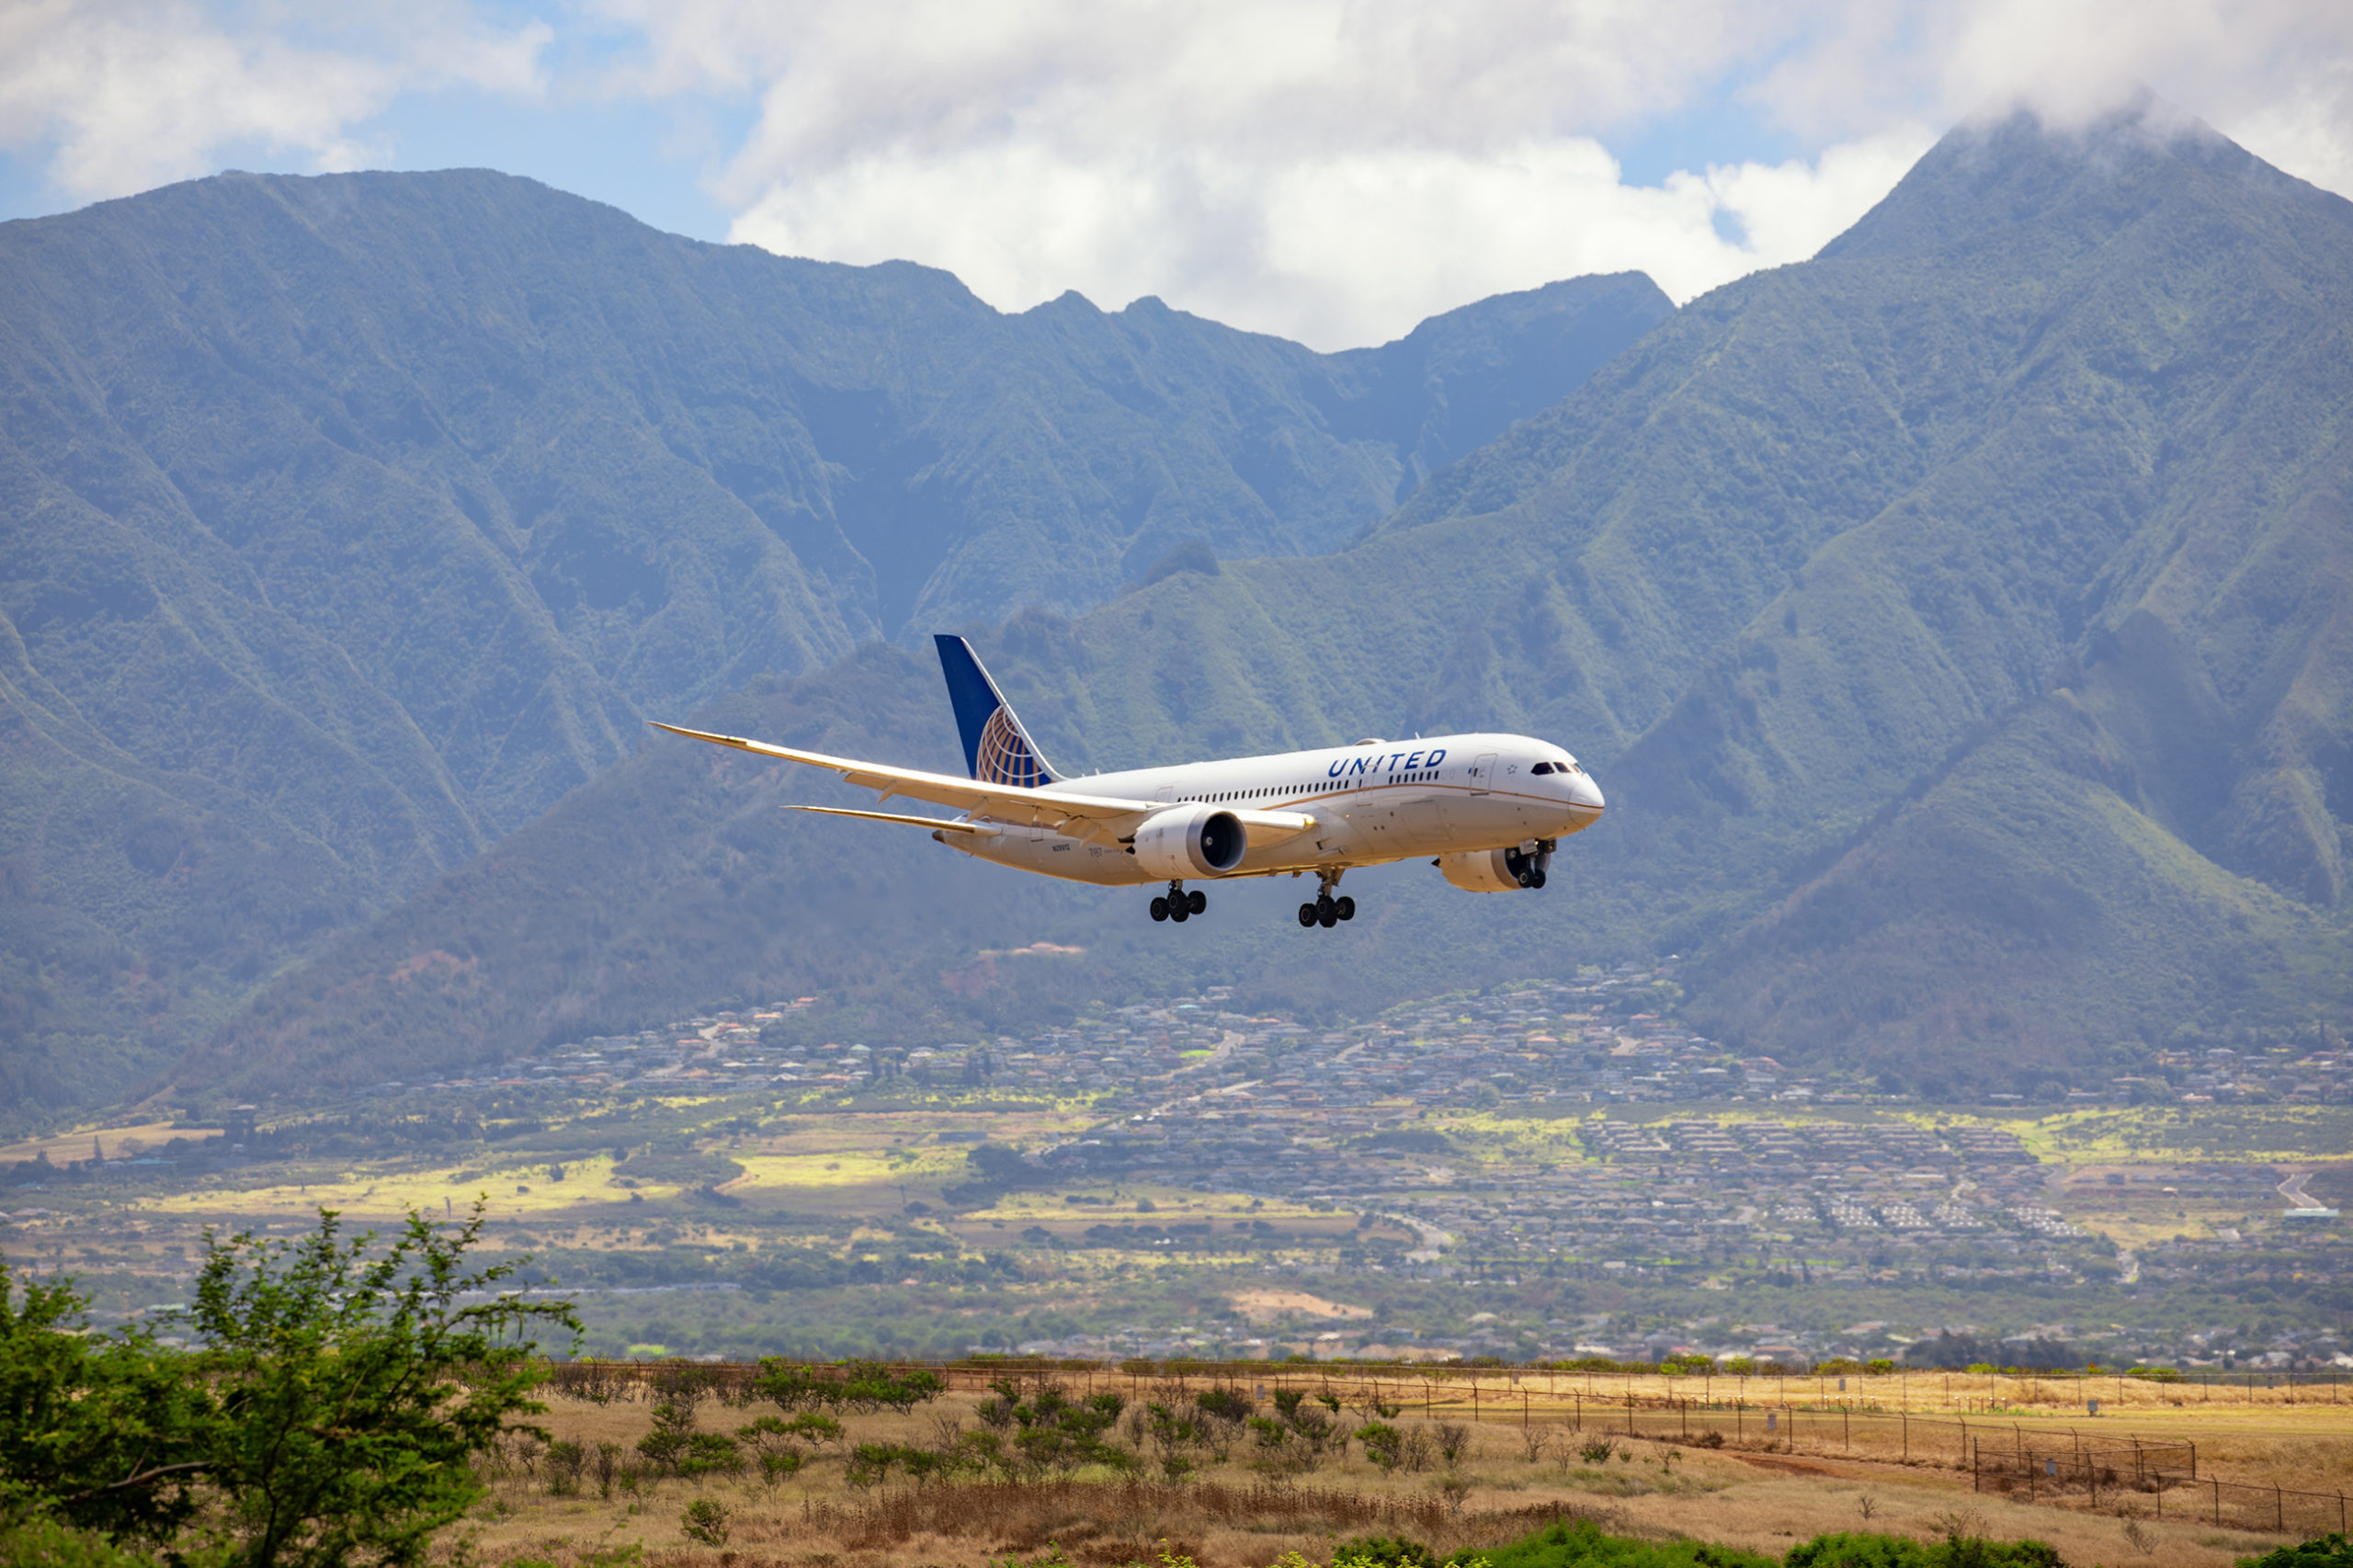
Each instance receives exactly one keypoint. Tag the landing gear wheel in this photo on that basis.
(1327, 913)
(1179, 909)
(1200, 902)
(1536, 878)
(1346, 908)
(1159, 907)
(1307, 914)
(1527, 879)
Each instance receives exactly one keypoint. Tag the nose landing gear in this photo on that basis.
(1327, 911)
(1179, 905)
(1531, 867)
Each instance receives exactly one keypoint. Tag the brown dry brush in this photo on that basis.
(1126, 1521)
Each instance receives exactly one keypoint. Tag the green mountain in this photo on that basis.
(352, 521)
(1957, 621)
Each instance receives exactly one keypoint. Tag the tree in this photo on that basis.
(351, 1391)
(328, 1410)
(851, 1385)
(103, 1430)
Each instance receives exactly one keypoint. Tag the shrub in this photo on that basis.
(2326, 1552)
(712, 1453)
(1579, 1544)
(605, 1465)
(705, 1521)
(565, 1461)
(1453, 1441)
(1383, 1551)
(1960, 1549)
(673, 1429)
(848, 1385)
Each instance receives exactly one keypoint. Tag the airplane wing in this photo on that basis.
(945, 790)
(1078, 816)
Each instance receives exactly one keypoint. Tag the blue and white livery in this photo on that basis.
(1487, 809)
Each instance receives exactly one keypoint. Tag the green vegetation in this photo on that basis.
(1958, 1550)
(2326, 1552)
(1584, 1545)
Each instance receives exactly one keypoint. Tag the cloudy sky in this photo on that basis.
(1331, 170)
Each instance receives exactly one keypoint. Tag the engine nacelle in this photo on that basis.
(1190, 841)
(1493, 870)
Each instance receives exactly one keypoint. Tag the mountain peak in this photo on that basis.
(2000, 174)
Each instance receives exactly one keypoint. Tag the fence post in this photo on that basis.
(1907, 1437)
(2278, 1507)
(2218, 1500)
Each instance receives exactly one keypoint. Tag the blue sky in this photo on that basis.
(1331, 170)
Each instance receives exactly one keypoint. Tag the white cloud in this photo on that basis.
(1332, 249)
(122, 97)
(1334, 171)
(1328, 169)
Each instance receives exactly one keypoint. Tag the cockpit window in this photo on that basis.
(1541, 767)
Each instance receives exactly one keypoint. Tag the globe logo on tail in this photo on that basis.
(1005, 758)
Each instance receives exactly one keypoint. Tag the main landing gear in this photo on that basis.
(1178, 904)
(1327, 911)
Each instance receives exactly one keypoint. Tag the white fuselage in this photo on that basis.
(1374, 801)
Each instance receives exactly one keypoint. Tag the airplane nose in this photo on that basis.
(1584, 792)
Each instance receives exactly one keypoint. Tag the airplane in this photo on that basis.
(1489, 808)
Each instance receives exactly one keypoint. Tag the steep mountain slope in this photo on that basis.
(351, 521)
(1957, 621)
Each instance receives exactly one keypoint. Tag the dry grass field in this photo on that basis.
(1515, 1466)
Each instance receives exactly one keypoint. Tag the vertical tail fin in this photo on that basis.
(997, 750)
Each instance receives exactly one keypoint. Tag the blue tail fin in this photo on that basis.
(997, 750)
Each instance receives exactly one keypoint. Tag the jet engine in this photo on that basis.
(1190, 841)
(1495, 870)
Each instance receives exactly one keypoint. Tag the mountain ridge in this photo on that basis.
(1961, 637)
(355, 520)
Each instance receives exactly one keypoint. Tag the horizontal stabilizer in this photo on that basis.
(939, 825)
